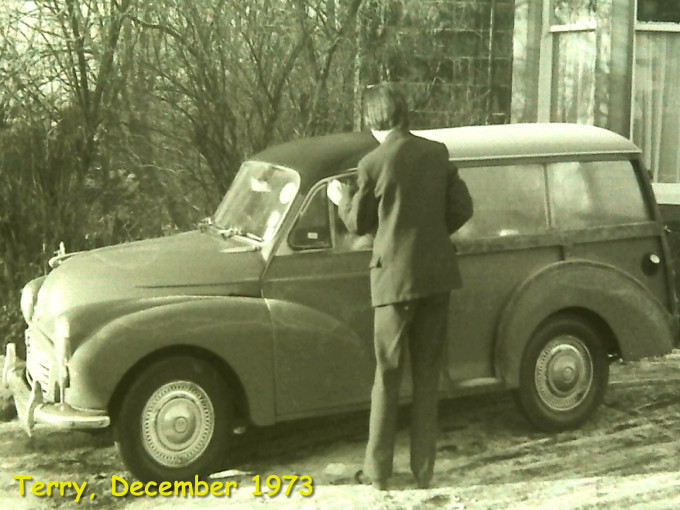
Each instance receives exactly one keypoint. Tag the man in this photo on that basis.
(413, 198)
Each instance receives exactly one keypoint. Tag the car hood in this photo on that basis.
(188, 264)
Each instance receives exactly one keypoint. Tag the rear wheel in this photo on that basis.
(174, 421)
(563, 374)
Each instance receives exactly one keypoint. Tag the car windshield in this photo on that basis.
(257, 201)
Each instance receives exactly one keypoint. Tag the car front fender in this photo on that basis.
(640, 323)
(237, 330)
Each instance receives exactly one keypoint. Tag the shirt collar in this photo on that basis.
(382, 134)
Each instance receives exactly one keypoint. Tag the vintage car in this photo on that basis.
(263, 313)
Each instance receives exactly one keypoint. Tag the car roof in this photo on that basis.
(323, 156)
(528, 140)
(318, 157)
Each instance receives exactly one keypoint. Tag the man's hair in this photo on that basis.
(385, 107)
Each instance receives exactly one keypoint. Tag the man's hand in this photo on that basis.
(337, 191)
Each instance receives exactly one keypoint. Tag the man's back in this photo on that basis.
(413, 256)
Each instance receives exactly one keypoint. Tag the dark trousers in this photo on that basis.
(420, 326)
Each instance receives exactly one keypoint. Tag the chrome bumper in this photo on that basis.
(31, 408)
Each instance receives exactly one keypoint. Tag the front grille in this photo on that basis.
(39, 362)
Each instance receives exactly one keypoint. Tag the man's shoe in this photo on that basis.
(363, 479)
(422, 484)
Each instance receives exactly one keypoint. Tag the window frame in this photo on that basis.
(332, 216)
(335, 216)
(311, 194)
(654, 25)
(634, 168)
(480, 165)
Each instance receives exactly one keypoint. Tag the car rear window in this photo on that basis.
(588, 194)
(509, 200)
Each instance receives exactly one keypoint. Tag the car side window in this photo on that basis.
(344, 240)
(509, 200)
(312, 230)
(595, 193)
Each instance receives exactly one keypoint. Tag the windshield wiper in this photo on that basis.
(253, 237)
(208, 224)
(231, 232)
(238, 231)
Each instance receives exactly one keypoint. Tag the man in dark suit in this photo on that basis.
(413, 198)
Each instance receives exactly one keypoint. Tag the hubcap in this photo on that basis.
(564, 373)
(178, 422)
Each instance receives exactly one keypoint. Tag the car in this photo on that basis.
(263, 314)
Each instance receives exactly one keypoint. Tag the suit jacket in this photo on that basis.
(412, 197)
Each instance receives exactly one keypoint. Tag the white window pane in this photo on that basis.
(574, 80)
(593, 194)
(657, 103)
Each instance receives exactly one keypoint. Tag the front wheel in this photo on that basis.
(174, 421)
(563, 374)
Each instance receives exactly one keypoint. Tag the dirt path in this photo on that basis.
(627, 456)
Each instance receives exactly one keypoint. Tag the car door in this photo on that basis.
(317, 288)
(506, 241)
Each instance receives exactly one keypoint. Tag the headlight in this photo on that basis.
(29, 295)
(28, 301)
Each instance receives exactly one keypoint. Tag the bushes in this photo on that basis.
(12, 326)
(47, 196)
(124, 120)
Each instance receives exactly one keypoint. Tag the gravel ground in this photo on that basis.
(625, 457)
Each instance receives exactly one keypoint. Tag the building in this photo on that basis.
(611, 63)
